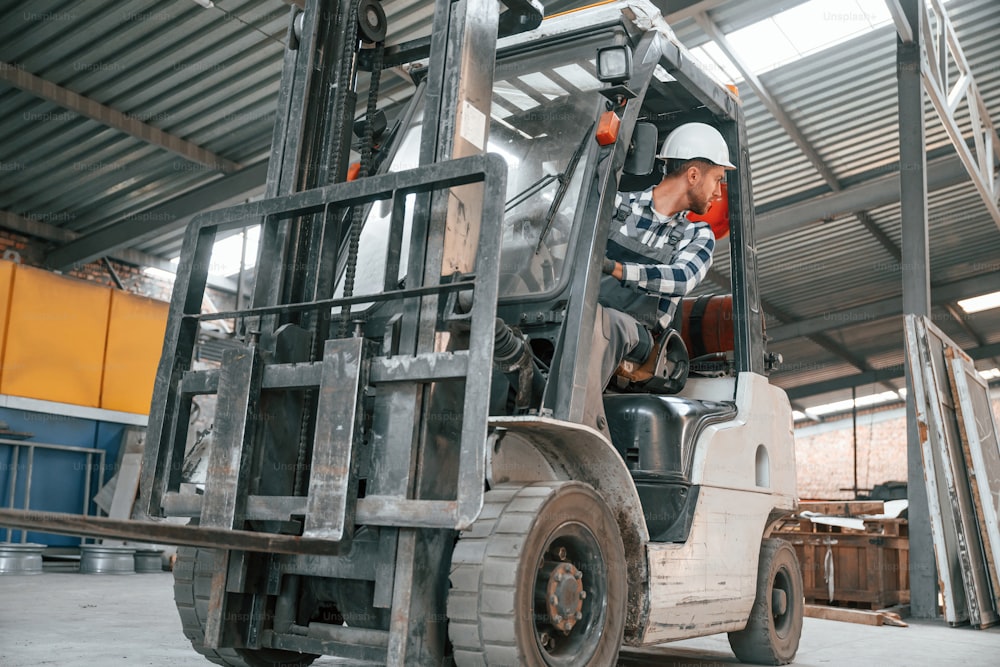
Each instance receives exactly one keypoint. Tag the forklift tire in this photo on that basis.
(192, 589)
(539, 580)
(772, 633)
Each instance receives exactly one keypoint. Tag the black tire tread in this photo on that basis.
(485, 575)
(191, 597)
(483, 579)
(753, 644)
(186, 598)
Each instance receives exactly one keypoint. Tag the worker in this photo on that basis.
(655, 255)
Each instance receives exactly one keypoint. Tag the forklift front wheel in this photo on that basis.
(193, 572)
(539, 580)
(772, 633)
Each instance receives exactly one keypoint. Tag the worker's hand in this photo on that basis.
(612, 268)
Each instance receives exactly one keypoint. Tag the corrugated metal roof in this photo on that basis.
(211, 76)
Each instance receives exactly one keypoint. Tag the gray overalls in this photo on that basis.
(623, 308)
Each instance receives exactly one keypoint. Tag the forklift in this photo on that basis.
(413, 461)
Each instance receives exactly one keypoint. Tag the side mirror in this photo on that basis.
(641, 156)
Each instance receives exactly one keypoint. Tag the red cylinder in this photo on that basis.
(707, 324)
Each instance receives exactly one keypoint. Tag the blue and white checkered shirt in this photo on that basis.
(691, 260)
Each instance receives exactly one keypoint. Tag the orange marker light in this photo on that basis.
(607, 128)
(353, 171)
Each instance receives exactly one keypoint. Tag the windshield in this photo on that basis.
(542, 119)
(542, 122)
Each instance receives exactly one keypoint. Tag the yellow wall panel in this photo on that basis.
(135, 340)
(55, 338)
(6, 285)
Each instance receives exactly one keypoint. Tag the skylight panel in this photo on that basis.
(763, 46)
(862, 401)
(715, 62)
(820, 24)
(980, 303)
(578, 76)
(805, 29)
(514, 97)
(543, 84)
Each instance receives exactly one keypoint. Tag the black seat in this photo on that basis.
(655, 436)
(655, 433)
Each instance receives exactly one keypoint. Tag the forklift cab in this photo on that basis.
(550, 101)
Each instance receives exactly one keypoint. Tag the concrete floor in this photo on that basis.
(75, 620)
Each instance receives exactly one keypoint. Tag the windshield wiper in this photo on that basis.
(564, 179)
(532, 189)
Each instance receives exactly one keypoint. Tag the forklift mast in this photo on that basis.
(303, 406)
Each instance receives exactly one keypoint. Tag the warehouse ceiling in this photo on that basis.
(122, 119)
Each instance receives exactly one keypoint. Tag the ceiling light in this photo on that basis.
(982, 302)
(848, 404)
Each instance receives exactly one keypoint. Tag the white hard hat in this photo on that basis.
(696, 140)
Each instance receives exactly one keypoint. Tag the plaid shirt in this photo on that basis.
(691, 261)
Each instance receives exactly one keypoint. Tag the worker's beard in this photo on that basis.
(697, 202)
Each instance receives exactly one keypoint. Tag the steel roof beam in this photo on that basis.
(884, 239)
(818, 338)
(767, 99)
(150, 223)
(826, 343)
(941, 173)
(876, 375)
(16, 76)
(764, 95)
(903, 27)
(36, 228)
(941, 295)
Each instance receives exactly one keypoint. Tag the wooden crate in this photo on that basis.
(870, 570)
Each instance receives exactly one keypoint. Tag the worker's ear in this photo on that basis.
(694, 173)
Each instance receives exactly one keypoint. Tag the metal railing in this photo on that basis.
(18, 445)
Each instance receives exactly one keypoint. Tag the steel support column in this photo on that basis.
(916, 294)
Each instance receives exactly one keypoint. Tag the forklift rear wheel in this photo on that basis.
(772, 633)
(192, 589)
(539, 579)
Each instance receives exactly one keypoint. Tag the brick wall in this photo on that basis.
(824, 454)
(133, 279)
(31, 253)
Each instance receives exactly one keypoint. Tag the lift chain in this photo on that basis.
(367, 150)
(355, 214)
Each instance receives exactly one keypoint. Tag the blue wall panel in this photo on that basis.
(58, 477)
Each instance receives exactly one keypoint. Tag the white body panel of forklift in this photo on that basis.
(746, 469)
